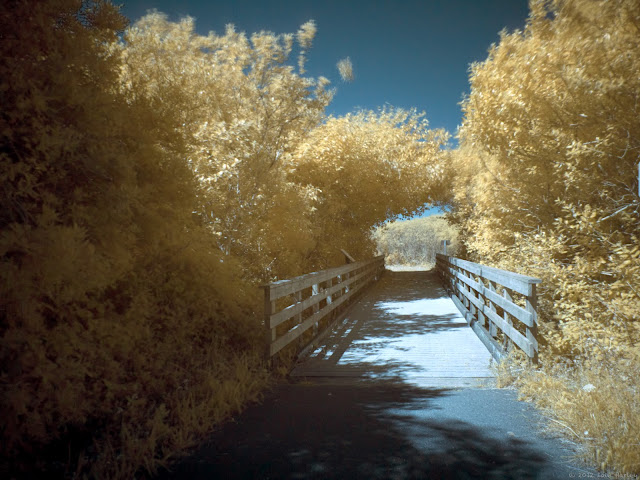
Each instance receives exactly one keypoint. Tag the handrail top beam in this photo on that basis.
(517, 276)
(335, 270)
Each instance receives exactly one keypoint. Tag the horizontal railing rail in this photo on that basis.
(295, 305)
(491, 300)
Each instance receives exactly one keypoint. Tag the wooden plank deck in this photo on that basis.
(404, 329)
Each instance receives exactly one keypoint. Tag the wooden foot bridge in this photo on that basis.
(383, 385)
(430, 328)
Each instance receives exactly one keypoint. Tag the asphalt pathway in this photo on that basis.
(377, 407)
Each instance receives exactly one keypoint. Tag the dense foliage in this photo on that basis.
(364, 168)
(241, 111)
(552, 123)
(547, 184)
(150, 181)
(114, 299)
(272, 170)
(416, 242)
(152, 177)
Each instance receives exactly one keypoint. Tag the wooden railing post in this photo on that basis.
(463, 287)
(470, 305)
(315, 290)
(532, 332)
(297, 297)
(454, 284)
(481, 316)
(269, 308)
(507, 319)
(493, 330)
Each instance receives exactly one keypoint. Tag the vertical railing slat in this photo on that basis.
(532, 332)
(492, 326)
(269, 308)
(507, 318)
(315, 290)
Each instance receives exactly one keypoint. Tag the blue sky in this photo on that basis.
(405, 53)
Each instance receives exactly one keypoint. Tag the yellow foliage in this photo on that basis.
(415, 242)
(364, 168)
(272, 170)
(551, 128)
(345, 67)
(114, 300)
(150, 180)
(546, 184)
(241, 110)
(595, 405)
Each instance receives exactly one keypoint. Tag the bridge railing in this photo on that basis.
(298, 305)
(491, 300)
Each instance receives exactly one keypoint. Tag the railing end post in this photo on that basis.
(270, 333)
(532, 307)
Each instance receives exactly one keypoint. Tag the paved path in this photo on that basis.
(381, 399)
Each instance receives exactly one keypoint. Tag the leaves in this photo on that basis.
(415, 241)
(547, 169)
(151, 179)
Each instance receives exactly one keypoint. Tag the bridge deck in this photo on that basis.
(405, 328)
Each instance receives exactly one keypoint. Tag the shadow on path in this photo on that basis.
(367, 430)
(374, 410)
(404, 328)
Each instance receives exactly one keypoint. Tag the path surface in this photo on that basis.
(406, 329)
(381, 399)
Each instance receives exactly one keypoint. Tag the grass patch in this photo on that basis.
(151, 433)
(594, 403)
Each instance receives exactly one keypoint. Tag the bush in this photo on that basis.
(122, 324)
(547, 186)
(415, 242)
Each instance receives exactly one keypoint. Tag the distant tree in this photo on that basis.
(415, 241)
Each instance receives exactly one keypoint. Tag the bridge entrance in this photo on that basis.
(405, 328)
